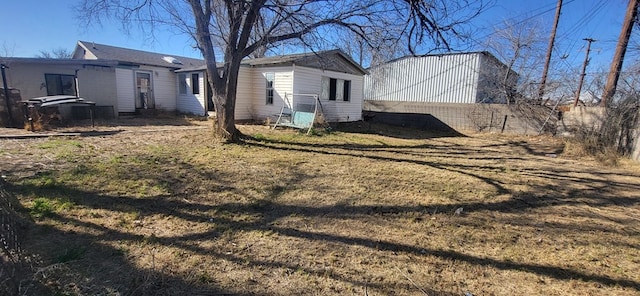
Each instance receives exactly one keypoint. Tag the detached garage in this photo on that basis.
(463, 91)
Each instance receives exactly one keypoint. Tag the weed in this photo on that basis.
(41, 208)
(71, 254)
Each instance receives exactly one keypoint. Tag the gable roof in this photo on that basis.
(332, 60)
(126, 56)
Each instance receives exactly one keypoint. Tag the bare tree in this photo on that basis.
(7, 50)
(56, 53)
(228, 31)
(521, 47)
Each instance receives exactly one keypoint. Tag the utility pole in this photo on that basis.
(584, 69)
(621, 49)
(549, 51)
(6, 96)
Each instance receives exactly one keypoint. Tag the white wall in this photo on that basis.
(309, 80)
(125, 90)
(191, 103)
(96, 84)
(283, 83)
(449, 78)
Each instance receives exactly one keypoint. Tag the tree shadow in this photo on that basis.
(264, 211)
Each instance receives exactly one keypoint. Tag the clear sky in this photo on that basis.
(29, 26)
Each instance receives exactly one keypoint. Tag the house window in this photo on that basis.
(269, 77)
(346, 91)
(336, 89)
(182, 84)
(332, 89)
(195, 83)
(60, 84)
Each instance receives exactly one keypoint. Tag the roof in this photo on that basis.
(486, 53)
(62, 62)
(92, 50)
(333, 60)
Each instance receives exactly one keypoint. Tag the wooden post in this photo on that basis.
(549, 51)
(621, 49)
(7, 98)
(584, 68)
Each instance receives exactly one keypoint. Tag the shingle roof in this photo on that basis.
(139, 57)
(325, 60)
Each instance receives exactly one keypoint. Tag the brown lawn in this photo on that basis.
(367, 210)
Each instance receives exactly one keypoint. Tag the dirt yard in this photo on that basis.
(159, 208)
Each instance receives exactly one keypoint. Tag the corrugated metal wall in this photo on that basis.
(451, 78)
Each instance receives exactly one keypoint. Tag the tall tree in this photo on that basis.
(227, 31)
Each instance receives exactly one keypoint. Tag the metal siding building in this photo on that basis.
(448, 78)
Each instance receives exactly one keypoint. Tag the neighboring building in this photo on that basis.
(475, 77)
(460, 91)
(131, 81)
(266, 84)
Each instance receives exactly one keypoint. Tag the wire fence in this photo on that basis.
(10, 247)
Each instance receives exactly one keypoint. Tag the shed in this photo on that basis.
(475, 77)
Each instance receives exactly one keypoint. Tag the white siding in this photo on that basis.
(95, 83)
(125, 90)
(449, 78)
(282, 84)
(189, 102)
(309, 80)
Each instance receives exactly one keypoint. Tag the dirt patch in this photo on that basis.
(368, 210)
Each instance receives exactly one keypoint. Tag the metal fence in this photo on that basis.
(10, 248)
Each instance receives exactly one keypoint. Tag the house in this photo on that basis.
(128, 81)
(267, 84)
(143, 80)
(461, 91)
(38, 77)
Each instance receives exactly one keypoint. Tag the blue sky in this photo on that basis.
(29, 26)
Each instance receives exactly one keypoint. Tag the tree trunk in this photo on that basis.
(225, 97)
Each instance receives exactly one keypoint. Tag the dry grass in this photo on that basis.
(368, 210)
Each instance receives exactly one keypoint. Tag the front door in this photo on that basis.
(144, 91)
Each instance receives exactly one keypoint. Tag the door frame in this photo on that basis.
(149, 103)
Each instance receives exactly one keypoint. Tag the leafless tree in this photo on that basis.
(227, 31)
(56, 53)
(521, 47)
(7, 50)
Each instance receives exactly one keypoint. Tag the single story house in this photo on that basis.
(267, 84)
(128, 81)
(143, 80)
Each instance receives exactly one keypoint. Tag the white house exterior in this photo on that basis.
(265, 85)
(449, 78)
(130, 81)
(38, 77)
(144, 80)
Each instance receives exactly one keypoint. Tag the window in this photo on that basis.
(346, 91)
(336, 89)
(182, 84)
(332, 89)
(269, 77)
(60, 84)
(195, 83)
